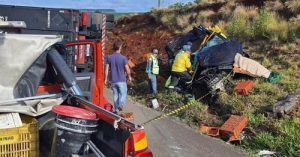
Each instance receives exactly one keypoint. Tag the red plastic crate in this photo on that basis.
(233, 127)
(244, 88)
(211, 131)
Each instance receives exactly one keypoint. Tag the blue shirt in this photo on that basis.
(117, 64)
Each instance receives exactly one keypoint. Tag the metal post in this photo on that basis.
(103, 36)
(158, 4)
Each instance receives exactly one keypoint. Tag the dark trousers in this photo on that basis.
(183, 76)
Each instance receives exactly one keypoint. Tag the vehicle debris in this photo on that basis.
(154, 104)
(267, 153)
(286, 105)
(215, 56)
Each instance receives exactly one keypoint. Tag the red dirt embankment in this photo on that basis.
(140, 34)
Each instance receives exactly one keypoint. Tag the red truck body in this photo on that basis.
(116, 136)
(136, 145)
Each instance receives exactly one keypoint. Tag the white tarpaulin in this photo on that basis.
(250, 66)
(32, 106)
(17, 53)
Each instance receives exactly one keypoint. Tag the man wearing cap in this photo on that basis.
(152, 69)
(181, 66)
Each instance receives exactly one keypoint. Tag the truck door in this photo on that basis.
(85, 59)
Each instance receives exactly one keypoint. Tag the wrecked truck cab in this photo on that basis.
(33, 67)
(212, 59)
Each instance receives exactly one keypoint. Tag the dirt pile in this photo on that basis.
(140, 34)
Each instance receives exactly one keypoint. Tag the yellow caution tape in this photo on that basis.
(174, 111)
(180, 108)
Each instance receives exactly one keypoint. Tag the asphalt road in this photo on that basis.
(171, 138)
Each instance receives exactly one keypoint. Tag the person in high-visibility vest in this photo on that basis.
(181, 66)
(152, 69)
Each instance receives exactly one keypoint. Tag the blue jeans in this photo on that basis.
(152, 85)
(120, 94)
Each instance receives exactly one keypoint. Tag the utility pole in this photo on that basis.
(158, 4)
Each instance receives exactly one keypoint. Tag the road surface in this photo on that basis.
(171, 138)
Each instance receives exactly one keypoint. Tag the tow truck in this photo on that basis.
(75, 67)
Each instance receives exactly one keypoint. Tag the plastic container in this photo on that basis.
(232, 128)
(74, 128)
(274, 77)
(22, 141)
(244, 88)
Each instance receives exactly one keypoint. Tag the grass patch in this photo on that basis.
(286, 142)
(256, 120)
(273, 40)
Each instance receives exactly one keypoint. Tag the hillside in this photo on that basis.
(269, 31)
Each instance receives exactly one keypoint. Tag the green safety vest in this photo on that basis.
(155, 67)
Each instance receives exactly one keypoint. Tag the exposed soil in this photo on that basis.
(140, 34)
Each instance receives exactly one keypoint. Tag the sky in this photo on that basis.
(117, 5)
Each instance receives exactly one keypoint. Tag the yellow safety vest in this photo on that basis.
(181, 63)
(155, 67)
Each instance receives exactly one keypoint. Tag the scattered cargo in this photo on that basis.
(154, 104)
(233, 127)
(21, 141)
(211, 131)
(10, 120)
(274, 77)
(229, 131)
(286, 105)
(244, 88)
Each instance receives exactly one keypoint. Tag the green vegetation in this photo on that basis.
(122, 15)
(272, 37)
(286, 141)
